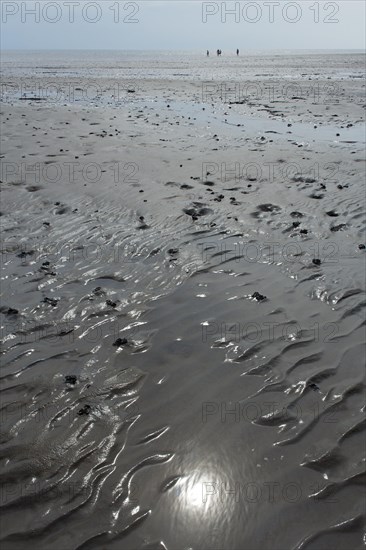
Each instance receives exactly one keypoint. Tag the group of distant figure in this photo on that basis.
(219, 52)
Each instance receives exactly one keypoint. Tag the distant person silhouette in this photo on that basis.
(237, 52)
(208, 53)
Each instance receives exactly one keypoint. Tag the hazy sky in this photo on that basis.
(176, 24)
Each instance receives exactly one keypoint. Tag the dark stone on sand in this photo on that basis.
(111, 304)
(51, 301)
(361, 246)
(11, 311)
(25, 254)
(120, 342)
(173, 251)
(304, 231)
(97, 290)
(259, 297)
(197, 210)
(332, 213)
(46, 268)
(316, 261)
(338, 227)
(85, 410)
(295, 224)
(71, 379)
(296, 215)
(303, 179)
(314, 386)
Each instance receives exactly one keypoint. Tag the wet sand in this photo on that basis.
(183, 298)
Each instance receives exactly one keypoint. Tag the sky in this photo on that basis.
(182, 25)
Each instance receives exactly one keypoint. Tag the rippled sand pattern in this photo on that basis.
(182, 356)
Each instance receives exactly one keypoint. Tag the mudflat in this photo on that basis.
(183, 293)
